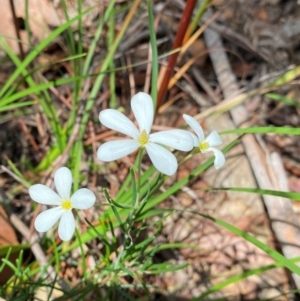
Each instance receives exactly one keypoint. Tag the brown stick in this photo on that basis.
(183, 25)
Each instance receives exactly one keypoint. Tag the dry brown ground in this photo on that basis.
(261, 39)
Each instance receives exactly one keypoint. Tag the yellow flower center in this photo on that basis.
(143, 139)
(66, 204)
(203, 146)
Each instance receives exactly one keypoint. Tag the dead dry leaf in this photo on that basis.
(43, 15)
(7, 234)
(7, 237)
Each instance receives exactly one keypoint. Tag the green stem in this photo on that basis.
(116, 264)
(153, 43)
(201, 10)
(189, 156)
(139, 168)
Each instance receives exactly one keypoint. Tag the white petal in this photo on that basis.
(83, 199)
(142, 107)
(219, 157)
(63, 182)
(194, 124)
(195, 140)
(213, 139)
(66, 226)
(162, 159)
(117, 121)
(114, 150)
(44, 195)
(45, 220)
(178, 139)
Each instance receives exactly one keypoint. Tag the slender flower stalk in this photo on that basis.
(206, 144)
(81, 199)
(142, 107)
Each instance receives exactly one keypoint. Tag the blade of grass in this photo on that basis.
(15, 59)
(45, 99)
(154, 75)
(47, 105)
(93, 45)
(112, 83)
(37, 50)
(26, 23)
(264, 130)
(18, 173)
(196, 19)
(35, 89)
(234, 279)
(268, 250)
(284, 99)
(75, 47)
(287, 77)
(15, 114)
(289, 195)
(88, 61)
(17, 105)
(77, 153)
(8, 249)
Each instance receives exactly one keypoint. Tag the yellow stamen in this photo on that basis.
(203, 146)
(66, 204)
(143, 139)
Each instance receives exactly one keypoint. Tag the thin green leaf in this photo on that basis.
(115, 211)
(37, 50)
(201, 10)
(157, 269)
(234, 279)
(17, 105)
(13, 248)
(284, 99)
(120, 205)
(34, 89)
(125, 270)
(112, 76)
(287, 77)
(268, 250)
(18, 173)
(264, 130)
(290, 195)
(133, 188)
(154, 75)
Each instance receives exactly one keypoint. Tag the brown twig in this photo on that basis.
(99, 137)
(130, 76)
(205, 86)
(183, 25)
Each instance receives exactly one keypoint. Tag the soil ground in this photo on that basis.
(261, 41)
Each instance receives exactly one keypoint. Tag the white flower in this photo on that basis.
(81, 199)
(206, 145)
(142, 107)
